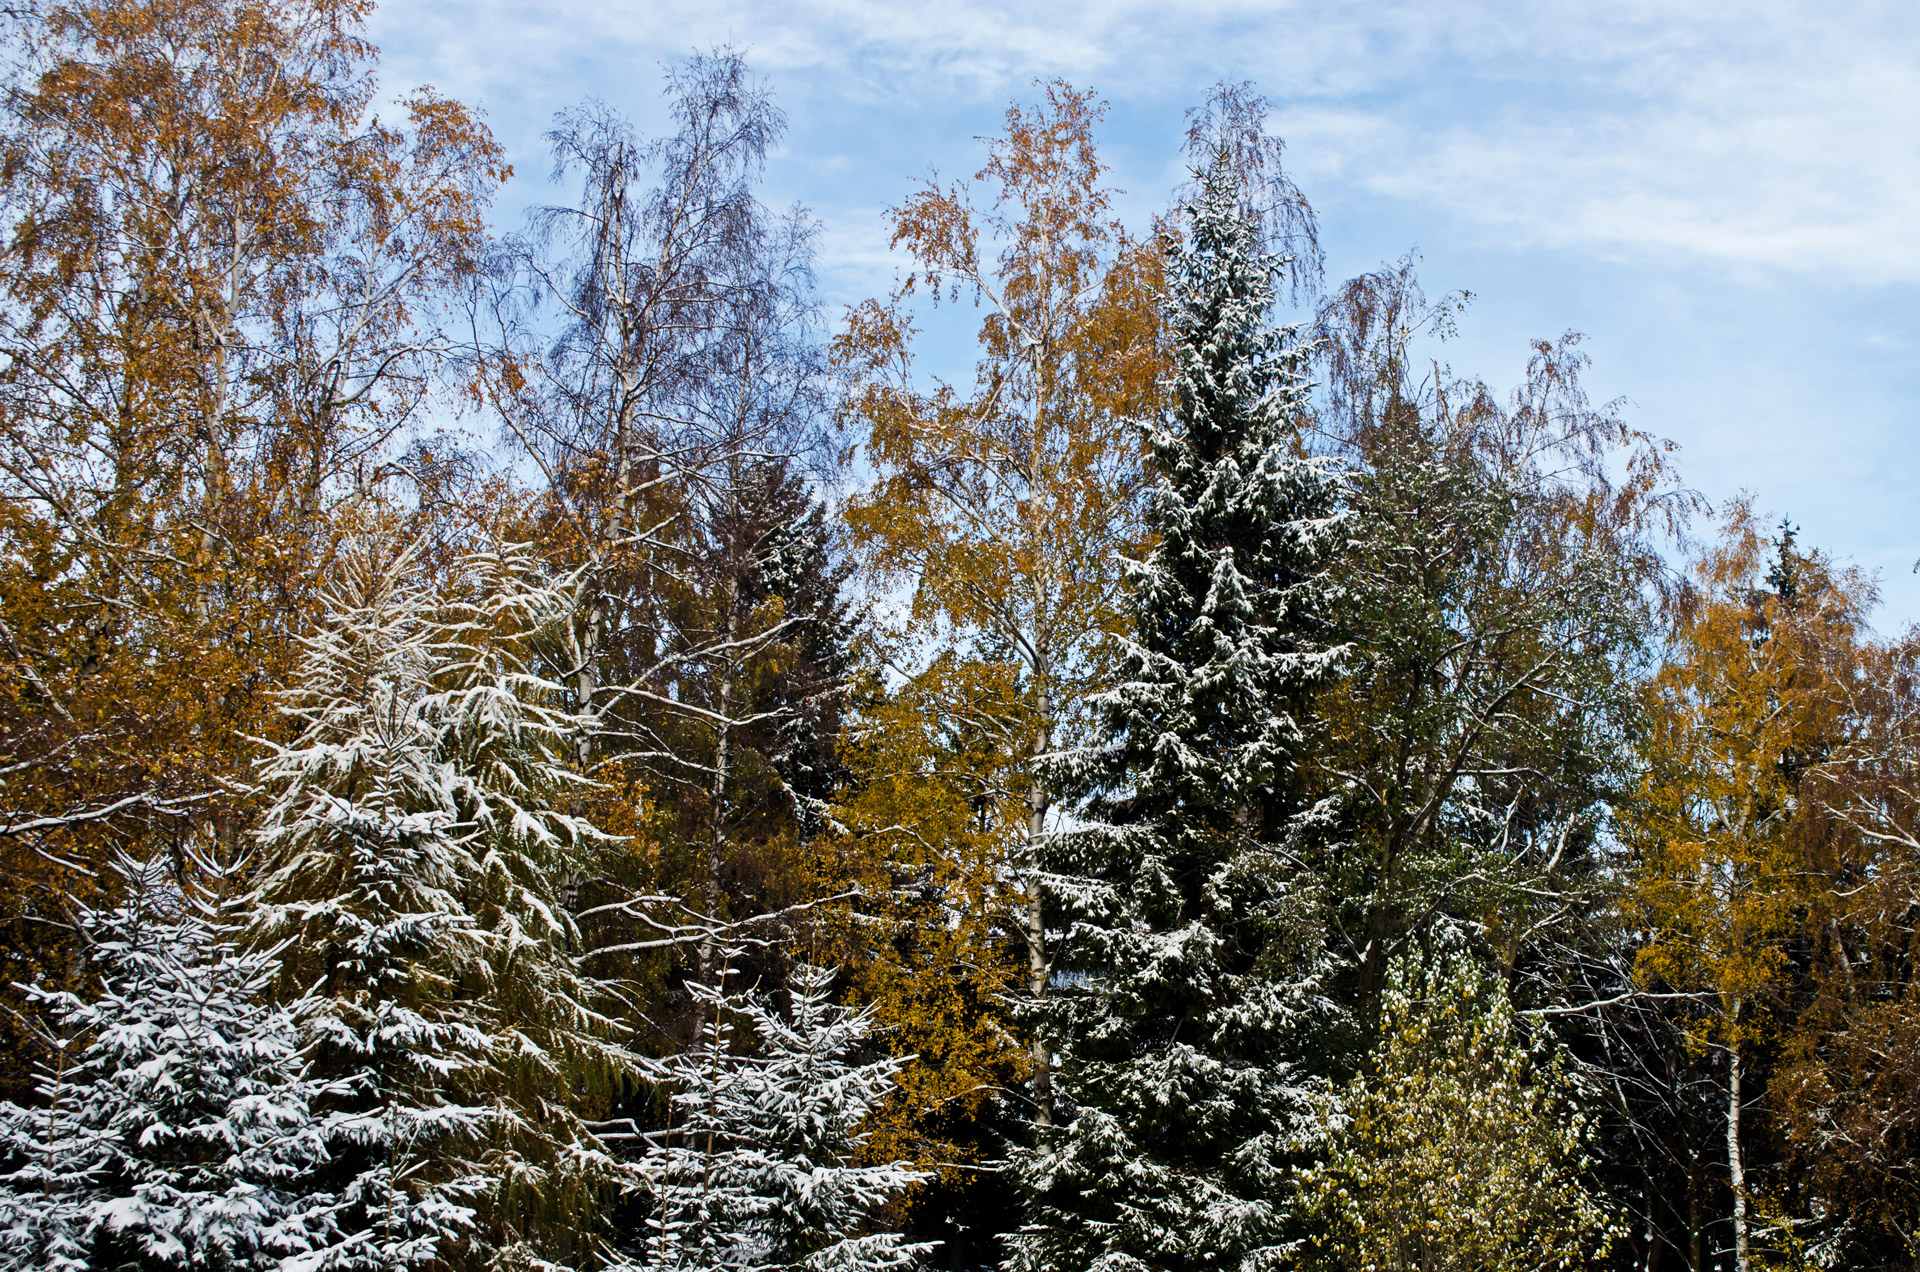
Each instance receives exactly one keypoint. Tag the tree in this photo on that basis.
(1750, 700)
(758, 1165)
(927, 940)
(1657, 1102)
(557, 1056)
(1187, 988)
(178, 1126)
(1498, 595)
(1850, 1045)
(1501, 592)
(674, 409)
(1001, 509)
(1455, 1148)
(363, 868)
(224, 277)
(411, 857)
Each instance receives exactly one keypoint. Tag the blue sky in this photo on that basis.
(1724, 196)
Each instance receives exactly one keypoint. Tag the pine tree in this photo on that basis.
(177, 1129)
(1187, 989)
(505, 733)
(365, 862)
(757, 1168)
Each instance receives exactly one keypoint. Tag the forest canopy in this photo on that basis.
(544, 746)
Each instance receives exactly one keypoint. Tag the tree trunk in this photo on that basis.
(1039, 970)
(587, 677)
(1736, 1168)
(1696, 1226)
(717, 793)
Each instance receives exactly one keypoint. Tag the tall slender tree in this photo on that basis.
(1001, 507)
(1188, 996)
(662, 372)
(1752, 699)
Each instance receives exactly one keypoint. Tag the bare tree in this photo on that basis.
(661, 373)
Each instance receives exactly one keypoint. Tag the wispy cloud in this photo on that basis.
(1764, 138)
(1758, 135)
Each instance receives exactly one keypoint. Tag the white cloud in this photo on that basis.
(1757, 135)
(1783, 142)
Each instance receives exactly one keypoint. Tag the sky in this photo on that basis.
(1723, 196)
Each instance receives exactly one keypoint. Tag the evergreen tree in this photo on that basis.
(177, 1128)
(365, 862)
(757, 1167)
(413, 858)
(1186, 989)
(505, 733)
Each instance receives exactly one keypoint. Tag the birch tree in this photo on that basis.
(999, 507)
(1497, 595)
(225, 291)
(1747, 704)
(662, 375)
(1456, 1148)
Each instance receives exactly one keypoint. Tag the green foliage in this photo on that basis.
(1456, 1148)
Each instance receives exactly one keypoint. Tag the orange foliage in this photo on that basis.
(1001, 511)
(216, 309)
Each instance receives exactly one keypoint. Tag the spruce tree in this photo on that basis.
(177, 1127)
(1181, 995)
(505, 733)
(758, 1166)
(365, 861)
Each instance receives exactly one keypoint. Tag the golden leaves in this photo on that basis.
(1749, 696)
(212, 311)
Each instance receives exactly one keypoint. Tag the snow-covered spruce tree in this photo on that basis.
(364, 867)
(176, 1129)
(504, 731)
(412, 857)
(1184, 991)
(757, 1168)
(1455, 1149)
